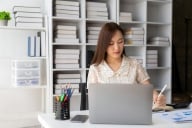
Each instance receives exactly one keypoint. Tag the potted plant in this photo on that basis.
(4, 17)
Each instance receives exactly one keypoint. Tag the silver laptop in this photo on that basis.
(120, 104)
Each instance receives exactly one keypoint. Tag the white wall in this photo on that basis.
(19, 106)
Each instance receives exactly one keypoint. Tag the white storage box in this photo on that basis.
(26, 73)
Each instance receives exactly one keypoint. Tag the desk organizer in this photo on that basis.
(26, 72)
(62, 110)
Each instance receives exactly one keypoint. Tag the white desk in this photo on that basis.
(48, 121)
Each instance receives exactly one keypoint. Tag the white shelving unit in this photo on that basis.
(28, 101)
(154, 16)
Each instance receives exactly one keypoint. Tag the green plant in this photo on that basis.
(5, 15)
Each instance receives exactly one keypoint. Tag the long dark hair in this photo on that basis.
(107, 32)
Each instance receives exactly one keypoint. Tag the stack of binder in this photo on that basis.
(152, 58)
(93, 34)
(66, 34)
(125, 16)
(67, 9)
(66, 58)
(159, 41)
(28, 16)
(97, 10)
(134, 35)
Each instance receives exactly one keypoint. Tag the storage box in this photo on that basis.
(26, 73)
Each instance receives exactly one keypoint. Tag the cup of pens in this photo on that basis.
(63, 104)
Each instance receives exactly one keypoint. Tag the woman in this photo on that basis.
(110, 65)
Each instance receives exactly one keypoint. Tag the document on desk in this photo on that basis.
(177, 116)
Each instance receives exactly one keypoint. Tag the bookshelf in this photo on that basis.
(153, 16)
(27, 100)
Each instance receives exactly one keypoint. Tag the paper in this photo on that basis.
(180, 116)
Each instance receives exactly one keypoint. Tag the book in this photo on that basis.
(92, 41)
(98, 17)
(136, 32)
(65, 32)
(66, 40)
(97, 13)
(67, 56)
(27, 24)
(96, 8)
(126, 14)
(71, 3)
(66, 61)
(66, 27)
(26, 9)
(166, 43)
(133, 36)
(66, 66)
(73, 85)
(29, 19)
(96, 4)
(94, 28)
(68, 75)
(152, 52)
(127, 19)
(66, 15)
(93, 32)
(66, 36)
(68, 51)
(151, 61)
(42, 35)
(37, 46)
(66, 7)
(92, 37)
(28, 14)
(151, 56)
(63, 81)
(165, 39)
(31, 46)
(134, 42)
(67, 11)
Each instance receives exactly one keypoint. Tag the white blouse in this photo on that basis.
(129, 72)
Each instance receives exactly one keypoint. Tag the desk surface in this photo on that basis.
(48, 121)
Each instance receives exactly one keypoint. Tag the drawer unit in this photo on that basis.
(27, 82)
(26, 72)
(26, 64)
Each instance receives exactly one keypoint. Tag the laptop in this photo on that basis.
(120, 104)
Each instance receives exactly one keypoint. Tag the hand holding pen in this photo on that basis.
(160, 98)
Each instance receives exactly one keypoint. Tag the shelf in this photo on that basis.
(98, 20)
(72, 69)
(25, 87)
(68, 44)
(133, 45)
(22, 28)
(158, 68)
(150, 45)
(68, 19)
(133, 22)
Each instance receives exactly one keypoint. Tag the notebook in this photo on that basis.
(120, 104)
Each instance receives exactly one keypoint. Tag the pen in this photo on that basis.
(162, 90)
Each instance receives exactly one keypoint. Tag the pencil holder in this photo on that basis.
(62, 110)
